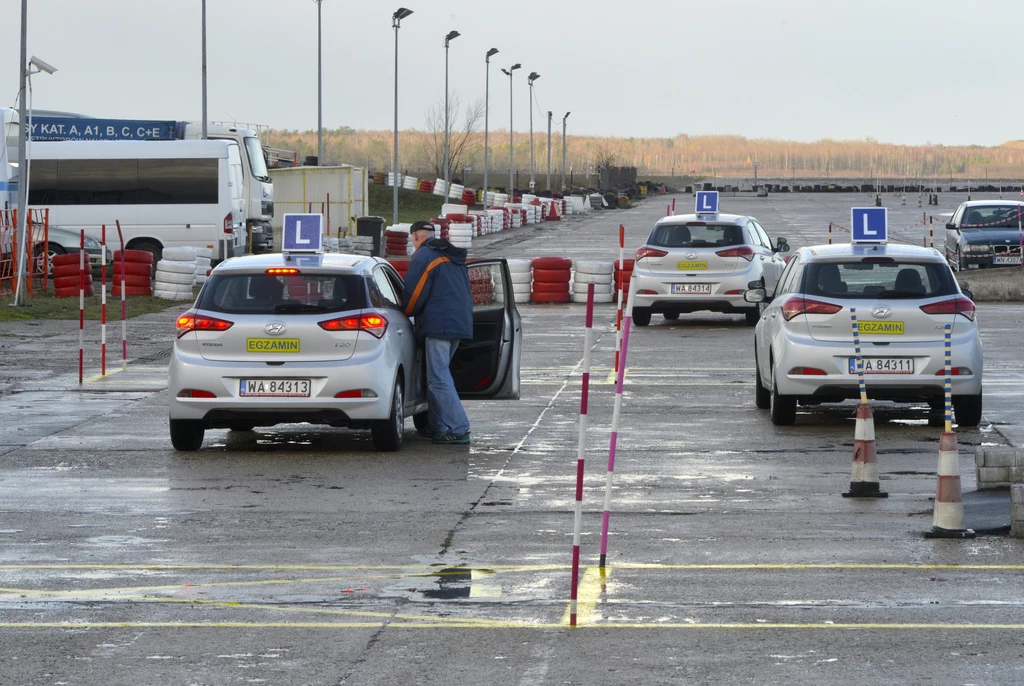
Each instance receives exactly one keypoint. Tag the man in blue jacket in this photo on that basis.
(437, 293)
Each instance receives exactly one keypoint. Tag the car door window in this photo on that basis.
(786, 282)
(386, 289)
(762, 235)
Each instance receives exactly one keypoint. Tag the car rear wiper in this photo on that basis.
(292, 308)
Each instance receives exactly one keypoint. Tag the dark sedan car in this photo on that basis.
(985, 233)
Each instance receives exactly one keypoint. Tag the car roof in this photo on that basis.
(838, 251)
(990, 203)
(249, 263)
(714, 218)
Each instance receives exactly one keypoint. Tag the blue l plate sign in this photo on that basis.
(707, 202)
(869, 224)
(302, 233)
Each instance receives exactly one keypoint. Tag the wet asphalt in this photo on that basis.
(297, 555)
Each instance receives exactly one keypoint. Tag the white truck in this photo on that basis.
(62, 126)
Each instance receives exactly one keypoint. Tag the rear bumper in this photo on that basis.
(662, 300)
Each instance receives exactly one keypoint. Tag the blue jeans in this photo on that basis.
(445, 412)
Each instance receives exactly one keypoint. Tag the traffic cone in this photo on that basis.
(948, 517)
(552, 213)
(864, 475)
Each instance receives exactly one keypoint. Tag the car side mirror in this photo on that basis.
(951, 226)
(756, 283)
(781, 244)
(968, 292)
(755, 295)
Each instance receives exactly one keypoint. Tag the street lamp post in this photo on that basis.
(452, 35)
(396, 22)
(549, 150)
(563, 149)
(204, 72)
(511, 139)
(530, 79)
(487, 104)
(319, 86)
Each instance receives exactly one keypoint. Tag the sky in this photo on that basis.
(899, 71)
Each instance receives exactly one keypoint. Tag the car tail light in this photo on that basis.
(957, 305)
(744, 251)
(807, 371)
(356, 393)
(374, 324)
(649, 252)
(646, 291)
(228, 224)
(195, 393)
(735, 291)
(283, 271)
(190, 321)
(955, 371)
(801, 305)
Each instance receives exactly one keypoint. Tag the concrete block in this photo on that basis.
(993, 477)
(999, 457)
(1017, 510)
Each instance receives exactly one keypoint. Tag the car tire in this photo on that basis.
(782, 407)
(641, 316)
(753, 316)
(671, 316)
(936, 413)
(762, 396)
(187, 434)
(967, 409)
(421, 420)
(388, 433)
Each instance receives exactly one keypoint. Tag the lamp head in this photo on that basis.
(566, 116)
(452, 35)
(41, 65)
(401, 13)
(533, 77)
(491, 53)
(515, 66)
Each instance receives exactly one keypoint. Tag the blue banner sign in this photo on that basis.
(89, 129)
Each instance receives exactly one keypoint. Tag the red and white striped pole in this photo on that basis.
(668, 210)
(673, 205)
(931, 232)
(618, 316)
(81, 307)
(124, 301)
(103, 300)
(580, 453)
(615, 437)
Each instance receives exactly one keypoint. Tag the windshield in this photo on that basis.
(860, 279)
(257, 162)
(292, 294)
(696, 235)
(991, 216)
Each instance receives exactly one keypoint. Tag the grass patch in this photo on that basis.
(412, 205)
(46, 306)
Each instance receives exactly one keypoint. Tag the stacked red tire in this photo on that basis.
(469, 197)
(401, 266)
(551, 277)
(481, 285)
(67, 277)
(622, 277)
(396, 242)
(138, 273)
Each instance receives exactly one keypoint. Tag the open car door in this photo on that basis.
(489, 366)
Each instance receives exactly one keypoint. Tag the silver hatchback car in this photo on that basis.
(696, 262)
(322, 339)
(904, 296)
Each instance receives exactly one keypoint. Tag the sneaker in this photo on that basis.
(429, 433)
(452, 439)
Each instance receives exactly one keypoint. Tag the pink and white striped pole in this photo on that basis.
(124, 302)
(618, 316)
(580, 453)
(81, 307)
(103, 300)
(615, 434)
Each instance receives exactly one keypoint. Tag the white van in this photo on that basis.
(165, 194)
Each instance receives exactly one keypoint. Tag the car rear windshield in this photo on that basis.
(696, 235)
(859, 279)
(290, 294)
(990, 217)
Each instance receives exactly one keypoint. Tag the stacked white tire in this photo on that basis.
(522, 279)
(174, 278)
(461, 235)
(203, 258)
(362, 245)
(588, 272)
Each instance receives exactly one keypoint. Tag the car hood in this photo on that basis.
(990, 236)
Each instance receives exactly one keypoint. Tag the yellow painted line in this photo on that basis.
(588, 594)
(439, 571)
(757, 626)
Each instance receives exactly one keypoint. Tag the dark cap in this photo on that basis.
(422, 226)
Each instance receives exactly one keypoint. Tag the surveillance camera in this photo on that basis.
(41, 65)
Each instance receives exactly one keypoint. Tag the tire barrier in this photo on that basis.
(138, 273)
(174, 278)
(522, 277)
(592, 272)
(481, 286)
(65, 260)
(426, 186)
(551, 276)
(139, 256)
(410, 183)
(623, 276)
(440, 188)
(397, 240)
(204, 257)
(401, 265)
(394, 179)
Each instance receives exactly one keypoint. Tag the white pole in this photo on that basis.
(19, 291)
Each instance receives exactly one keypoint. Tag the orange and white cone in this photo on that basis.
(864, 475)
(948, 517)
(552, 213)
